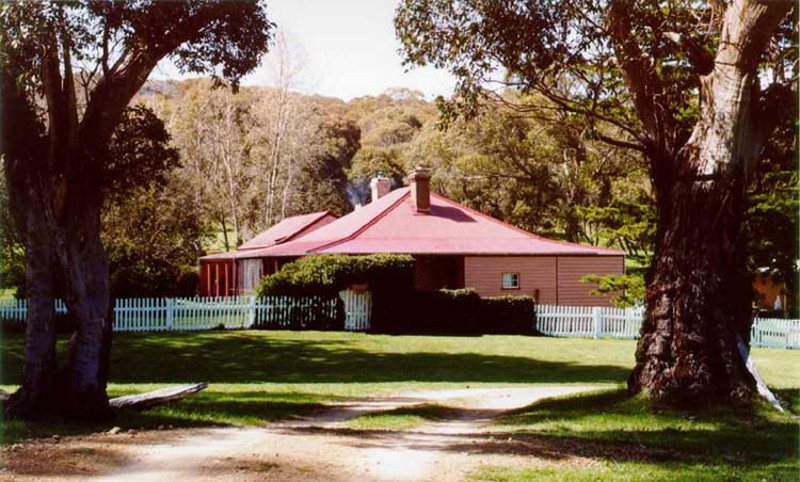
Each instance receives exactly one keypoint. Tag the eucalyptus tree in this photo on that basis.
(695, 87)
(56, 150)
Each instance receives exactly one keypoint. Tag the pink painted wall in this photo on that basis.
(484, 273)
(538, 273)
(572, 268)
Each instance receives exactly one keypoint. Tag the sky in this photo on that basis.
(349, 47)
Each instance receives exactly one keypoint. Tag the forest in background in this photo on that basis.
(215, 167)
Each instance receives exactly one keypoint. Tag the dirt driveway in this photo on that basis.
(318, 448)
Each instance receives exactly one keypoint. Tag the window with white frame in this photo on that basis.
(510, 281)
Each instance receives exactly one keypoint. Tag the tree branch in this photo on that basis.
(701, 59)
(638, 72)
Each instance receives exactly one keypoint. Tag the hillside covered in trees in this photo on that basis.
(237, 163)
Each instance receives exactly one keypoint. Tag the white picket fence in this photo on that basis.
(588, 321)
(775, 333)
(199, 313)
(606, 322)
(187, 314)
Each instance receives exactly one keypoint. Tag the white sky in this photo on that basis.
(350, 50)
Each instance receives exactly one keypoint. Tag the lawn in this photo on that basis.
(260, 376)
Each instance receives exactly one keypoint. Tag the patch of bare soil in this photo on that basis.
(88, 455)
(317, 448)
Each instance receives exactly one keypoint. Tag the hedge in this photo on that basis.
(397, 307)
(326, 275)
(460, 311)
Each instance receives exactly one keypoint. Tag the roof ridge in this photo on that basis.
(366, 225)
(515, 228)
(314, 221)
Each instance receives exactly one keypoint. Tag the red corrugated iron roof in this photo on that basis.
(286, 230)
(391, 225)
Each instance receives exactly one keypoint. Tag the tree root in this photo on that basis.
(763, 390)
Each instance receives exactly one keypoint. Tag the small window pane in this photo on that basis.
(510, 281)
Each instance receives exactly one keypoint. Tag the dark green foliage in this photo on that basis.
(460, 311)
(327, 275)
(508, 315)
(307, 313)
(323, 184)
(140, 153)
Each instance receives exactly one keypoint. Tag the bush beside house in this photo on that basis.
(460, 312)
(397, 307)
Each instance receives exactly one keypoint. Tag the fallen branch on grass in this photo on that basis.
(144, 401)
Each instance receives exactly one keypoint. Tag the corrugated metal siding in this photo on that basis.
(484, 273)
(572, 268)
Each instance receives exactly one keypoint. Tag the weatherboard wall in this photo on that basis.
(548, 279)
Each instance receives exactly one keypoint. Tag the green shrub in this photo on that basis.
(326, 275)
(460, 311)
(509, 314)
(310, 313)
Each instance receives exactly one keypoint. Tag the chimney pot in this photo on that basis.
(420, 189)
(380, 187)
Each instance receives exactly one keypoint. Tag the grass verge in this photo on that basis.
(257, 377)
(609, 435)
(404, 418)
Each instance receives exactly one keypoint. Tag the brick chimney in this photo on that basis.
(380, 187)
(420, 180)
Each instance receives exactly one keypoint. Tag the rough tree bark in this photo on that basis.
(699, 293)
(55, 194)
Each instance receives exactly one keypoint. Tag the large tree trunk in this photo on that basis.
(39, 385)
(62, 231)
(83, 261)
(699, 293)
(698, 298)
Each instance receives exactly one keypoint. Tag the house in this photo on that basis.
(453, 246)
(770, 294)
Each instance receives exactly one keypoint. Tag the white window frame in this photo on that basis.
(515, 281)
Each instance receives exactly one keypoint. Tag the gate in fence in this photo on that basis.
(357, 309)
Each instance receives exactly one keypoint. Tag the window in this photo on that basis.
(510, 281)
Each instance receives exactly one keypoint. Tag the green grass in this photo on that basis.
(403, 418)
(7, 292)
(260, 376)
(640, 472)
(634, 440)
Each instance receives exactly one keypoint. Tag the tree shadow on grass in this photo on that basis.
(615, 427)
(741, 434)
(206, 409)
(245, 357)
(240, 359)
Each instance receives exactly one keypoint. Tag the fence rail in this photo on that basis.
(187, 314)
